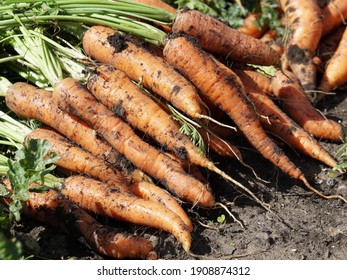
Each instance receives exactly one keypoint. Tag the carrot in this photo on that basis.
(219, 145)
(100, 198)
(116, 91)
(296, 104)
(108, 46)
(110, 85)
(263, 81)
(218, 38)
(73, 97)
(53, 209)
(335, 74)
(213, 81)
(77, 160)
(278, 123)
(334, 14)
(251, 27)
(33, 103)
(305, 24)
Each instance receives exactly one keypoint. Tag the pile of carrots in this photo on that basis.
(99, 129)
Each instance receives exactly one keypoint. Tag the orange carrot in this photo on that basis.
(219, 145)
(108, 46)
(278, 123)
(102, 199)
(34, 103)
(216, 37)
(296, 104)
(117, 92)
(77, 160)
(334, 14)
(262, 80)
(52, 208)
(335, 74)
(226, 91)
(251, 27)
(72, 96)
(305, 24)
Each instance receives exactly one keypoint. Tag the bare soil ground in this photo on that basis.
(311, 227)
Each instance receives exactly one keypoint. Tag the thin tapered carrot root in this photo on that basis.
(218, 38)
(79, 161)
(73, 97)
(102, 199)
(296, 104)
(52, 208)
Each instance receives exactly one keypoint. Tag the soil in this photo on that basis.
(308, 227)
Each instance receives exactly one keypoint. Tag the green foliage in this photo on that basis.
(10, 248)
(341, 156)
(28, 166)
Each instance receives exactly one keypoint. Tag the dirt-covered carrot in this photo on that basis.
(116, 91)
(335, 74)
(75, 98)
(119, 94)
(279, 124)
(226, 91)
(296, 104)
(80, 161)
(216, 37)
(334, 14)
(52, 208)
(108, 46)
(263, 81)
(31, 102)
(305, 24)
(102, 199)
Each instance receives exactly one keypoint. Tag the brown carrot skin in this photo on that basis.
(334, 14)
(305, 23)
(335, 74)
(77, 160)
(218, 38)
(53, 209)
(106, 45)
(262, 81)
(223, 90)
(102, 199)
(72, 96)
(296, 104)
(34, 103)
(277, 122)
